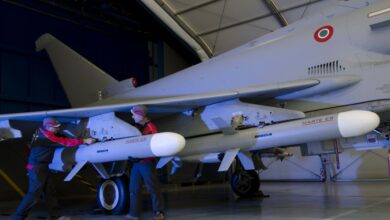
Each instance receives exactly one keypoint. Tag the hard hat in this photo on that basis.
(51, 122)
(139, 110)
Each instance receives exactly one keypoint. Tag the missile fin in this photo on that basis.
(228, 159)
(176, 164)
(173, 170)
(225, 127)
(246, 162)
(75, 170)
(101, 170)
(163, 161)
(7, 132)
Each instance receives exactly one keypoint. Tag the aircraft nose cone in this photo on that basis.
(166, 144)
(357, 122)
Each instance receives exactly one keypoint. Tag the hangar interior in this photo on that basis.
(149, 40)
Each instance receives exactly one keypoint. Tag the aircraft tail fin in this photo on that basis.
(82, 81)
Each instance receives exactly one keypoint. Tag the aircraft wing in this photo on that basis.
(176, 103)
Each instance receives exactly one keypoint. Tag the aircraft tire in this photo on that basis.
(245, 183)
(113, 195)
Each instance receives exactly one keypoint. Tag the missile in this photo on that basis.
(155, 145)
(340, 125)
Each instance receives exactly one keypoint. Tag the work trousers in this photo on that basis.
(147, 173)
(40, 185)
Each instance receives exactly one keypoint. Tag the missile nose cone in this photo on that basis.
(357, 122)
(166, 144)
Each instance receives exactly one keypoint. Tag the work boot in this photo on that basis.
(159, 215)
(130, 217)
(18, 217)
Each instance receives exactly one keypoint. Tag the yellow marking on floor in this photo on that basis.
(84, 181)
(12, 183)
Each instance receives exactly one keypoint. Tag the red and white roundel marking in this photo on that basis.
(323, 33)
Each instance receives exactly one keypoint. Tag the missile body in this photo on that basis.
(344, 124)
(154, 145)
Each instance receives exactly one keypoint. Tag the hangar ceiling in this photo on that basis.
(220, 25)
(202, 28)
(122, 15)
(208, 27)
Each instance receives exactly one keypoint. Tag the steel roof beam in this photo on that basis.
(184, 25)
(255, 18)
(194, 7)
(275, 11)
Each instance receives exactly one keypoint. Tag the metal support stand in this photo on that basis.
(327, 168)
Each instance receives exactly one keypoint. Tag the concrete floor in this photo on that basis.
(298, 200)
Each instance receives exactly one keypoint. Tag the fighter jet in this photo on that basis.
(322, 78)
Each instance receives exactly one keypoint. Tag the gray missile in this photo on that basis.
(155, 145)
(344, 124)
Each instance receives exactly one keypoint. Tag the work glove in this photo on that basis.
(89, 140)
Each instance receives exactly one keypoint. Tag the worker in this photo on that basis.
(45, 141)
(144, 169)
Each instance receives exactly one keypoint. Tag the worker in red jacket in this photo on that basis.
(43, 145)
(144, 170)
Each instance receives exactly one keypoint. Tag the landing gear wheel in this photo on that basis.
(245, 183)
(113, 195)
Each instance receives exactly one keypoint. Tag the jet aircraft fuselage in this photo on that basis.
(294, 86)
(354, 44)
(347, 53)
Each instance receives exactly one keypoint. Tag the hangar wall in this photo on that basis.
(28, 81)
(173, 61)
(354, 166)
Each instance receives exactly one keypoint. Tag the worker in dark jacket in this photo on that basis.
(144, 170)
(43, 145)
